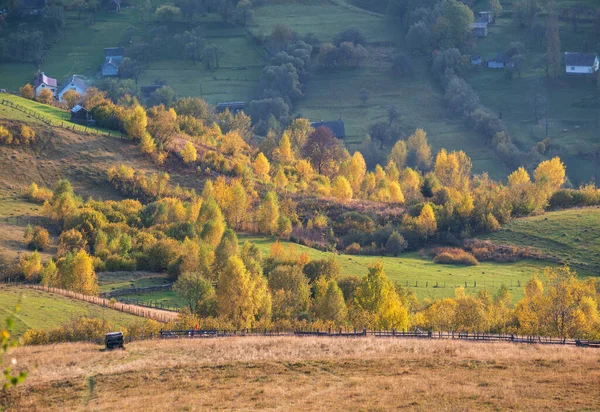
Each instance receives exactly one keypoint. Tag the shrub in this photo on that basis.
(454, 256)
(40, 239)
(6, 136)
(353, 249)
(38, 195)
(27, 135)
(396, 244)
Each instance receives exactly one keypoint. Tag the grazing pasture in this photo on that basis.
(307, 373)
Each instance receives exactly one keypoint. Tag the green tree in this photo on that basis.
(194, 290)
(553, 42)
(332, 306)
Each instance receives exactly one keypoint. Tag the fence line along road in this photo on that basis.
(477, 337)
(150, 313)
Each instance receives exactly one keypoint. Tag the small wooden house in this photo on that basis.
(337, 127)
(79, 114)
(476, 60)
(486, 16)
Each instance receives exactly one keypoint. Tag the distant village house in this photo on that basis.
(76, 83)
(113, 56)
(337, 127)
(479, 28)
(487, 16)
(581, 63)
(42, 82)
(498, 63)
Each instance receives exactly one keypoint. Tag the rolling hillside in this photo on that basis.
(41, 310)
(569, 235)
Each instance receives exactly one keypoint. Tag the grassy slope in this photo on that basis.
(81, 51)
(41, 310)
(332, 95)
(412, 268)
(571, 235)
(308, 374)
(571, 129)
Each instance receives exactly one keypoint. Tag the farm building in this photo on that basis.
(76, 83)
(42, 82)
(337, 127)
(486, 16)
(113, 57)
(79, 114)
(234, 107)
(476, 60)
(479, 28)
(498, 63)
(581, 63)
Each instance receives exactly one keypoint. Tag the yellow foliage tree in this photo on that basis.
(341, 188)
(426, 222)
(261, 166)
(135, 122)
(189, 153)
(398, 154)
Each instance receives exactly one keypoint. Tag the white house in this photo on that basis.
(76, 83)
(42, 82)
(581, 63)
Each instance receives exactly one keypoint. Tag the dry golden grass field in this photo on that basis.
(289, 373)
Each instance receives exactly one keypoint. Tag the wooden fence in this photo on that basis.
(26, 220)
(415, 334)
(150, 313)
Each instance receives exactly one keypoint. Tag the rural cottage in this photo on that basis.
(76, 83)
(42, 82)
(581, 63)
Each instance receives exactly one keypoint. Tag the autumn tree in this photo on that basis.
(426, 222)
(31, 266)
(324, 151)
(419, 149)
(71, 98)
(291, 292)
(376, 303)
(228, 246)
(398, 154)
(242, 297)
(261, 166)
(135, 122)
(268, 213)
(341, 189)
(27, 91)
(189, 153)
(46, 96)
(76, 273)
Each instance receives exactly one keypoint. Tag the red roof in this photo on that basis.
(42, 78)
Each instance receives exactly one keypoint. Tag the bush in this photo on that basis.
(37, 239)
(353, 249)
(6, 136)
(37, 195)
(396, 244)
(454, 256)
